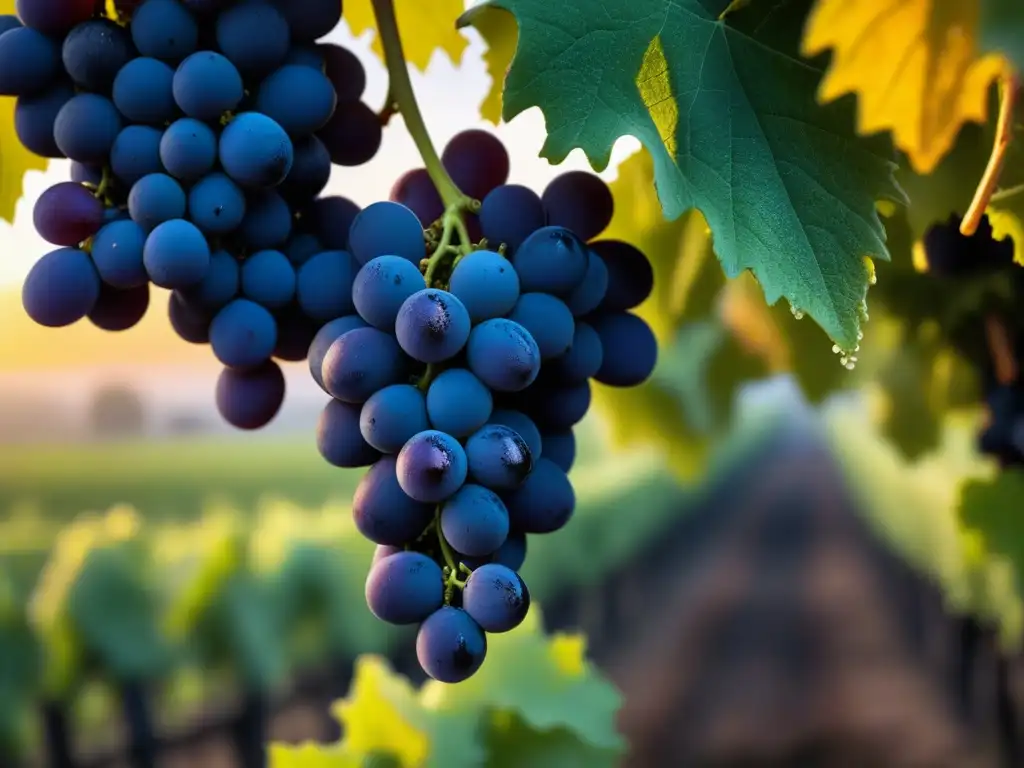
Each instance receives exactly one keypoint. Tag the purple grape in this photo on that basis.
(579, 201)
(432, 326)
(61, 288)
(339, 439)
(383, 512)
(475, 521)
(250, 399)
(431, 466)
(477, 161)
(450, 646)
(67, 214)
(404, 588)
(498, 457)
(118, 309)
(496, 598)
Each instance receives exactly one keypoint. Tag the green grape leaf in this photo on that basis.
(718, 94)
(1002, 29)
(689, 398)
(247, 622)
(21, 670)
(992, 507)
(383, 713)
(548, 683)
(115, 614)
(512, 743)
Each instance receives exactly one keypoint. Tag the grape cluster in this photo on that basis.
(459, 384)
(201, 134)
(983, 323)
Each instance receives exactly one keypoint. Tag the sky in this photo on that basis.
(449, 96)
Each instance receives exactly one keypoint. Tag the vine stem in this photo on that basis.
(1008, 89)
(401, 94)
(1001, 350)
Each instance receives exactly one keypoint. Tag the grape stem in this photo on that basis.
(452, 570)
(1009, 86)
(1001, 350)
(400, 93)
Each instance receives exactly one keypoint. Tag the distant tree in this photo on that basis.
(117, 411)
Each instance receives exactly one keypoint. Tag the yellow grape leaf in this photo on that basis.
(384, 714)
(425, 27)
(312, 756)
(501, 33)
(915, 65)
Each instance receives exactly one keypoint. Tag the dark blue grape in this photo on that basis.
(383, 550)
(35, 118)
(630, 349)
(118, 309)
(386, 229)
(9, 21)
(301, 247)
(560, 448)
(143, 91)
(189, 321)
(310, 20)
(268, 278)
(432, 326)
(94, 52)
(117, 253)
(86, 127)
(305, 56)
(250, 399)
(512, 554)
(61, 288)
(498, 457)
(206, 85)
(331, 219)
(243, 334)
(324, 286)
(487, 283)
(544, 502)
(67, 214)
(510, 214)
(458, 403)
(496, 598)
(164, 29)
(630, 275)
(188, 149)
(254, 36)
(29, 62)
(360, 362)
(323, 340)
(345, 71)
(154, 199)
(300, 99)
(136, 153)
(475, 521)
(382, 511)
(176, 254)
(477, 162)
(450, 646)
(579, 201)
(583, 359)
(353, 134)
(521, 424)
(551, 260)
(404, 588)
(219, 285)
(391, 417)
(216, 204)
(338, 437)
(87, 174)
(54, 17)
(559, 408)
(548, 320)
(381, 287)
(431, 466)
(255, 151)
(589, 294)
(267, 222)
(295, 332)
(503, 355)
(311, 170)
(416, 191)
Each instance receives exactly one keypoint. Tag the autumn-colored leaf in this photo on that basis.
(916, 66)
(498, 29)
(425, 27)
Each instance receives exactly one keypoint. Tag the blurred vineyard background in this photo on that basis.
(773, 586)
